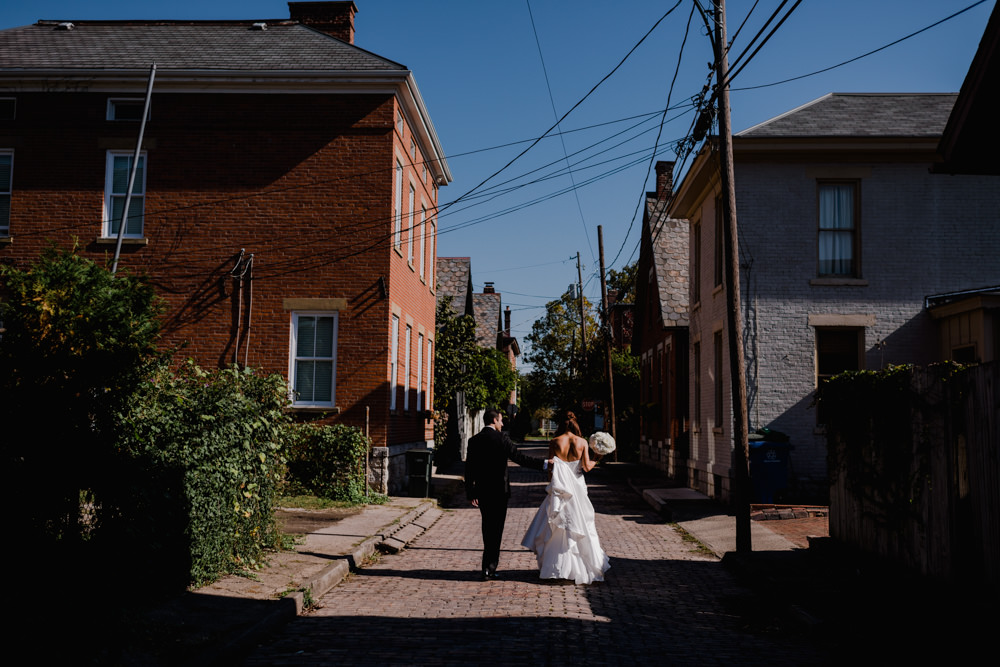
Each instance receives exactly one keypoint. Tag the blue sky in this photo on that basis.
(478, 67)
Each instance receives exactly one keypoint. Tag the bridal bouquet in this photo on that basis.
(602, 443)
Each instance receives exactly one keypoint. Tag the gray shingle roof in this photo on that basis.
(454, 279)
(487, 313)
(862, 115)
(211, 45)
(669, 238)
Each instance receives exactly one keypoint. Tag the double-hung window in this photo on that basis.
(420, 372)
(410, 231)
(314, 358)
(397, 212)
(423, 234)
(119, 165)
(394, 361)
(406, 368)
(6, 185)
(838, 229)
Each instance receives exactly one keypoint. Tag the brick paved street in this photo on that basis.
(662, 603)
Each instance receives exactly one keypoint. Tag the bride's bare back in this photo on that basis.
(569, 448)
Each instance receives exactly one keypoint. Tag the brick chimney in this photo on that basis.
(488, 288)
(506, 321)
(664, 180)
(334, 18)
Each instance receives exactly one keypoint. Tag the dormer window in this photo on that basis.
(127, 109)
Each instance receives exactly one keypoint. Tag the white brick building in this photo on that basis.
(844, 230)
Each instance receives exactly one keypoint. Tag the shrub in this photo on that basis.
(329, 462)
(207, 449)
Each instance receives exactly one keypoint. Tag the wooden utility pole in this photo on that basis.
(734, 324)
(607, 327)
(583, 316)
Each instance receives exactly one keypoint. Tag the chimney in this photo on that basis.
(506, 322)
(334, 18)
(612, 296)
(488, 288)
(664, 180)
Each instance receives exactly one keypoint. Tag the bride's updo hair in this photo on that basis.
(569, 425)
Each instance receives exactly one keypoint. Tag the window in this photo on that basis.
(410, 230)
(397, 240)
(430, 373)
(696, 265)
(433, 257)
(837, 349)
(697, 385)
(838, 230)
(119, 166)
(126, 109)
(406, 368)
(413, 151)
(719, 393)
(6, 185)
(720, 240)
(420, 372)
(314, 358)
(399, 122)
(8, 108)
(394, 364)
(423, 234)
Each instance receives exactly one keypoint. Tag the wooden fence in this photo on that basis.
(928, 499)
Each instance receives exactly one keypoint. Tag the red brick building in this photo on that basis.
(661, 331)
(284, 205)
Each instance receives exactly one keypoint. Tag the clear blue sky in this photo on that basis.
(479, 70)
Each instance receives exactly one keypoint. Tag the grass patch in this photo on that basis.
(697, 545)
(308, 502)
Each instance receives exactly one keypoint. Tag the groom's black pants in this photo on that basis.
(494, 515)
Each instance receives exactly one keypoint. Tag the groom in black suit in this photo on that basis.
(487, 484)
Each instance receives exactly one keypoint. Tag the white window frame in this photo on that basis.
(406, 368)
(293, 357)
(114, 102)
(397, 236)
(409, 231)
(138, 192)
(6, 192)
(394, 360)
(432, 278)
(430, 373)
(423, 240)
(420, 372)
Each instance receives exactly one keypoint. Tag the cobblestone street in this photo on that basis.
(664, 602)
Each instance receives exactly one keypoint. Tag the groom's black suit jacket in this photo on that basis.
(486, 465)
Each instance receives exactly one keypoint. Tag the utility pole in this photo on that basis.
(583, 317)
(734, 324)
(607, 327)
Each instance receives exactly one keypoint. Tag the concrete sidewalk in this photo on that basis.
(217, 623)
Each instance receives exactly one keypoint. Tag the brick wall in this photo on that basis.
(921, 234)
(304, 182)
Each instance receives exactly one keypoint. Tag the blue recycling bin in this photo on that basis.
(768, 469)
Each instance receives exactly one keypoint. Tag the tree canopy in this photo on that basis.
(485, 375)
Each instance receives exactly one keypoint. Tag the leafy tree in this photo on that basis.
(624, 282)
(560, 377)
(77, 341)
(460, 364)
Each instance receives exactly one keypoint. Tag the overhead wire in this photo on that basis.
(863, 55)
(555, 114)
(652, 159)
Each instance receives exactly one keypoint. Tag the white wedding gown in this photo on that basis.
(562, 534)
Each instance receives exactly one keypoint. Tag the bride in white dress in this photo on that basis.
(562, 534)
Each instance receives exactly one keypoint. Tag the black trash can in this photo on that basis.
(418, 472)
(768, 469)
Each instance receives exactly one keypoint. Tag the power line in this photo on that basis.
(569, 170)
(652, 158)
(863, 55)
